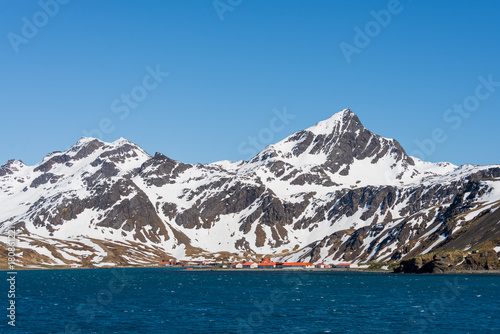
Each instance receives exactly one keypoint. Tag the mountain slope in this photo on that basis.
(332, 192)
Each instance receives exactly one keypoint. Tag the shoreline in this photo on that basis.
(298, 270)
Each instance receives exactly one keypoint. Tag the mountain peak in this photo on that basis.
(14, 162)
(342, 146)
(86, 140)
(336, 123)
(122, 141)
(96, 141)
(11, 166)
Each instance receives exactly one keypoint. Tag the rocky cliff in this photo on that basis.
(451, 261)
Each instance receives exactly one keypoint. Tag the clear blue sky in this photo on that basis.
(227, 76)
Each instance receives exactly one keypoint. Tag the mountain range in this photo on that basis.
(333, 192)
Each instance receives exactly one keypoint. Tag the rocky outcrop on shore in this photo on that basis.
(442, 262)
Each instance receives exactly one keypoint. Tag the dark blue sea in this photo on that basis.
(194, 301)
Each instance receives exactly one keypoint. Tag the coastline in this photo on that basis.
(260, 270)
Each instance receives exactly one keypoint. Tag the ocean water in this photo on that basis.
(193, 301)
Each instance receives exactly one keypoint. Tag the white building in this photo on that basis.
(250, 265)
(297, 265)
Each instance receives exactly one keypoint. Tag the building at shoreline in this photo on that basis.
(267, 265)
(296, 265)
(250, 265)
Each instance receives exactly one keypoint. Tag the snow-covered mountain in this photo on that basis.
(332, 192)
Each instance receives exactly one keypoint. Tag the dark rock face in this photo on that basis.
(450, 261)
(88, 149)
(490, 173)
(413, 265)
(43, 179)
(486, 260)
(58, 159)
(161, 170)
(10, 167)
(134, 215)
(440, 263)
(356, 142)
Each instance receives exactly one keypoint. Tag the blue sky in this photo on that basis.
(86, 68)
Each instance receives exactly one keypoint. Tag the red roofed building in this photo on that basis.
(250, 265)
(267, 265)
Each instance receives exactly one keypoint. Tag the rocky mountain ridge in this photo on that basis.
(332, 192)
